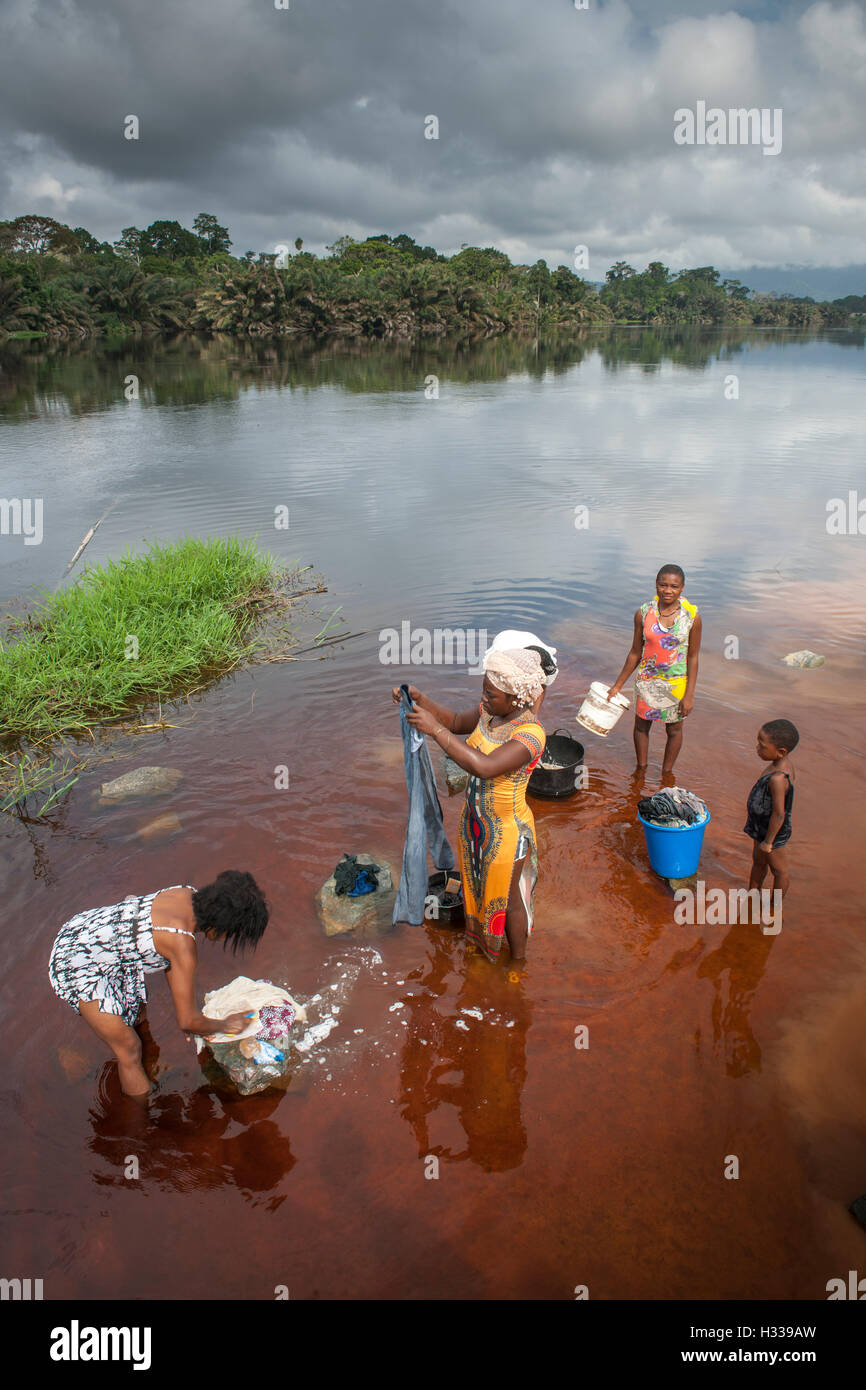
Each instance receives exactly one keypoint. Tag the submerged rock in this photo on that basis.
(455, 777)
(74, 1063)
(160, 828)
(690, 882)
(804, 658)
(142, 781)
(339, 913)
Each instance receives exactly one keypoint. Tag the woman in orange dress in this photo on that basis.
(497, 850)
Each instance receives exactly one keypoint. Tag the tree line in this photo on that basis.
(61, 282)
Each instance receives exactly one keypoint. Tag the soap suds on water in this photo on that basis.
(473, 1013)
(316, 1034)
(460, 1024)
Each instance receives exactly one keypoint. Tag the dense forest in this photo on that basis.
(59, 282)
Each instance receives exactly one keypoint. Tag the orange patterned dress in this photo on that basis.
(496, 822)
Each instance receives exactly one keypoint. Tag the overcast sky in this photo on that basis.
(555, 124)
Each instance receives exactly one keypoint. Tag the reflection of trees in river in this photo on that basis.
(187, 370)
(478, 1068)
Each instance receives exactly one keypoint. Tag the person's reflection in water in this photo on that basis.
(476, 1065)
(180, 1140)
(743, 954)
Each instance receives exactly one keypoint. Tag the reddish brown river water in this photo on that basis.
(558, 1166)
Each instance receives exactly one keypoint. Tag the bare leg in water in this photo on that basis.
(516, 921)
(641, 741)
(674, 735)
(776, 862)
(673, 743)
(124, 1043)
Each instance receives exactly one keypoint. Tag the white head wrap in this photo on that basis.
(517, 672)
(510, 639)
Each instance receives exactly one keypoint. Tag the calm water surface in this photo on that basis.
(557, 1166)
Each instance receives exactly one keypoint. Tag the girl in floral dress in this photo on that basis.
(665, 647)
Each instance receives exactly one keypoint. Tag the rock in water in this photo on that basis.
(142, 781)
(803, 658)
(339, 913)
(455, 777)
(74, 1063)
(160, 828)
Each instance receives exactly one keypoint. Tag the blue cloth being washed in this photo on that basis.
(364, 883)
(424, 831)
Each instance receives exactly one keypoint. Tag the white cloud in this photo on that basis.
(556, 125)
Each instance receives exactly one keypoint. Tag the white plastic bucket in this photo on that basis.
(598, 713)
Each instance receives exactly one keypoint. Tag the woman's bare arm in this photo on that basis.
(457, 723)
(507, 758)
(182, 957)
(688, 700)
(634, 656)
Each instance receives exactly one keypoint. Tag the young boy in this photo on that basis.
(769, 804)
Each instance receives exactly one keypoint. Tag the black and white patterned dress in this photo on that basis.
(105, 953)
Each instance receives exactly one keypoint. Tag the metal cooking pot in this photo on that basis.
(557, 782)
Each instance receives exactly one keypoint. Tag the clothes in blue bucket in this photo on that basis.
(672, 806)
(674, 822)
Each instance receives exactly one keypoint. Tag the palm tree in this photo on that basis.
(145, 303)
(16, 313)
(253, 301)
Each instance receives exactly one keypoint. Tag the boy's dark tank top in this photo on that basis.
(760, 806)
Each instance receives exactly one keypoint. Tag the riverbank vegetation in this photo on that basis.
(61, 283)
(130, 635)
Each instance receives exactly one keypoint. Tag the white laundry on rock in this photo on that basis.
(240, 996)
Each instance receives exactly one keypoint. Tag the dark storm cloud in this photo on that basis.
(555, 124)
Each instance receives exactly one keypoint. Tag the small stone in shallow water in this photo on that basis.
(805, 659)
(141, 781)
(690, 882)
(74, 1063)
(455, 777)
(339, 913)
(160, 828)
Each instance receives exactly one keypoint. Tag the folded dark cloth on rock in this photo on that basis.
(674, 807)
(354, 879)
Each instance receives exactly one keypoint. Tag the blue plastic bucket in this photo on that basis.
(674, 851)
